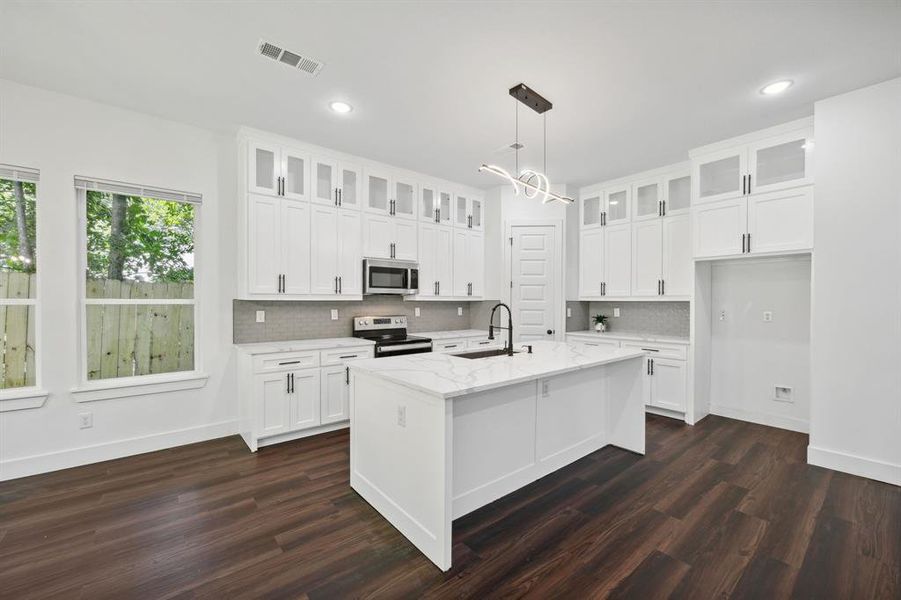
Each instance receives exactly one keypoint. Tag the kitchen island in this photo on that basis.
(436, 436)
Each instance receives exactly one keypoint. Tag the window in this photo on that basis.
(18, 277)
(139, 300)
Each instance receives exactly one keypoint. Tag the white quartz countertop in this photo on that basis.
(450, 376)
(452, 334)
(302, 345)
(631, 337)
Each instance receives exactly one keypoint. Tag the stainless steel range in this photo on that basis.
(390, 336)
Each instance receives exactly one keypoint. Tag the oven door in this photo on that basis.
(389, 276)
(401, 349)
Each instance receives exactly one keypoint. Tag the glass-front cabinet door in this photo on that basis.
(349, 185)
(295, 174)
(461, 211)
(475, 213)
(428, 203)
(263, 173)
(405, 195)
(445, 208)
(648, 196)
(376, 191)
(720, 175)
(590, 209)
(616, 205)
(781, 162)
(677, 193)
(325, 181)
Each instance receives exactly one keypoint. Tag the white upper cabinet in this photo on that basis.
(616, 205)
(350, 185)
(435, 260)
(647, 257)
(469, 263)
(618, 257)
(278, 171)
(774, 159)
(295, 247)
(378, 191)
(648, 198)
(468, 211)
(590, 208)
(391, 193)
(591, 263)
(336, 251)
(428, 203)
(780, 221)
(335, 183)
(781, 162)
(719, 228)
(445, 207)
(278, 246)
(677, 263)
(677, 193)
(406, 191)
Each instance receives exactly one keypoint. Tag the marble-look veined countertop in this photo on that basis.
(449, 376)
(631, 337)
(303, 345)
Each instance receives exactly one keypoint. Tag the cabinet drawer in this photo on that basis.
(485, 343)
(590, 341)
(287, 361)
(449, 345)
(658, 350)
(330, 358)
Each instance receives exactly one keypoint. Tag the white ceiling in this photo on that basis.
(634, 85)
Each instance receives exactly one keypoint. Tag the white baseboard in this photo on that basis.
(665, 412)
(790, 423)
(64, 459)
(855, 465)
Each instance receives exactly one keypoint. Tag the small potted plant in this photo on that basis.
(600, 323)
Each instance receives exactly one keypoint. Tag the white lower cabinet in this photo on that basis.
(668, 384)
(284, 395)
(334, 394)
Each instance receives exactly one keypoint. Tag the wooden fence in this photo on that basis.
(123, 340)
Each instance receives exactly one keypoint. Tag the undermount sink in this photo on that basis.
(485, 353)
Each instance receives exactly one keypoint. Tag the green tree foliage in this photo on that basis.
(139, 239)
(17, 226)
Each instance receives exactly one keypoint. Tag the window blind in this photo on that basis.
(19, 173)
(127, 189)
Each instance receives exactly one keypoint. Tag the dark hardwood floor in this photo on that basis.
(722, 509)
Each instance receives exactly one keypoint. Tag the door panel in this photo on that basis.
(717, 228)
(647, 251)
(475, 257)
(590, 209)
(618, 252)
(351, 184)
(295, 242)
(446, 208)
(264, 263)
(591, 262)
(325, 181)
(377, 192)
(617, 205)
(304, 399)
(444, 260)
(461, 275)
(295, 170)
(350, 251)
(264, 169)
(428, 257)
(677, 264)
(378, 233)
(668, 384)
(718, 175)
(781, 221)
(405, 193)
(428, 203)
(405, 240)
(324, 243)
(534, 290)
(334, 395)
(781, 162)
(272, 392)
(647, 196)
(677, 194)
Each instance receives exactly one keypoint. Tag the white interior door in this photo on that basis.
(534, 291)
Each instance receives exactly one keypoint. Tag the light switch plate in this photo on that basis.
(334, 314)
(459, 311)
(767, 316)
(416, 312)
(85, 420)
(569, 312)
(616, 312)
(261, 316)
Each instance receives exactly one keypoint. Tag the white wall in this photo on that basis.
(64, 136)
(855, 421)
(749, 356)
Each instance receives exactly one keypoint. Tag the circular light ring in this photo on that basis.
(542, 187)
(340, 107)
(777, 87)
(503, 173)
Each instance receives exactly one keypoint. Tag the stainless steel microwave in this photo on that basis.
(390, 276)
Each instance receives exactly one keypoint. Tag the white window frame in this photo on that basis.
(138, 385)
(32, 396)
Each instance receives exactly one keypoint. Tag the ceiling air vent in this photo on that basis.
(306, 64)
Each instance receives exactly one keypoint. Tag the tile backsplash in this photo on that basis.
(286, 320)
(661, 318)
(580, 316)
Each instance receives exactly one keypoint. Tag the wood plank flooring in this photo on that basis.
(725, 509)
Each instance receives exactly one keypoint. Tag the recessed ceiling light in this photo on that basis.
(341, 107)
(777, 87)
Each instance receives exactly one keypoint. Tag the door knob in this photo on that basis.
(550, 332)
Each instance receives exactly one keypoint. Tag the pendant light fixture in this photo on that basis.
(532, 183)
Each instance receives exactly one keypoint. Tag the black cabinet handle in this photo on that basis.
(663, 287)
(290, 362)
(346, 375)
(340, 284)
(749, 187)
(648, 367)
(664, 208)
(652, 366)
(749, 243)
(451, 346)
(292, 381)
(340, 197)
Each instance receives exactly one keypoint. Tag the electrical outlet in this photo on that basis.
(334, 314)
(85, 420)
(261, 316)
(416, 312)
(767, 316)
(459, 311)
(783, 394)
(616, 312)
(569, 312)
(545, 388)
(722, 315)
(402, 416)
